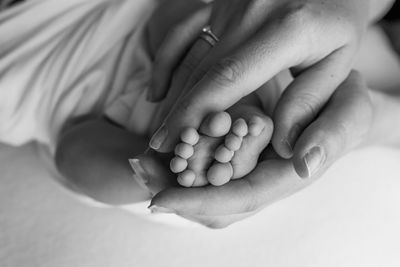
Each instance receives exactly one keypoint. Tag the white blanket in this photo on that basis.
(63, 59)
(350, 218)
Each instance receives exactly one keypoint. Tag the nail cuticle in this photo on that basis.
(288, 145)
(314, 160)
(290, 141)
(140, 175)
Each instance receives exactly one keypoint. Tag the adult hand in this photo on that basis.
(173, 20)
(316, 39)
(343, 124)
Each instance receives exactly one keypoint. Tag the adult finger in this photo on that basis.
(165, 17)
(177, 89)
(199, 50)
(227, 81)
(152, 173)
(304, 98)
(171, 52)
(343, 125)
(271, 181)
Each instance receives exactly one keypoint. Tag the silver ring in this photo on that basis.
(208, 36)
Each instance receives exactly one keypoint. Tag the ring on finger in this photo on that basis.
(208, 36)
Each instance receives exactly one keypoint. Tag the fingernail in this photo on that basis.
(140, 174)
(314, 160)
(157, 209)
(158, 138)
(288, 146)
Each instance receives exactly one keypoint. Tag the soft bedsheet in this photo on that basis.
(348, 218)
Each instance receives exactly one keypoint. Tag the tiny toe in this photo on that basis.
(220, 174)
(187, 178)
(223, 154)
(190, 136)
(216, 124)
(233, 142)
(178, 164)
(240, 128)
(256, 126)
(184, 150)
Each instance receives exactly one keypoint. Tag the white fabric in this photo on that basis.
(350, 218)
(63, 59)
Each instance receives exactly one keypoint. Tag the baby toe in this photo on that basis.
(184, 150)
(257, 125)
(187, 178)
(190, 136)
(223, 154)
(216, 124)
(220, 174)
(240, 128)
(233, 142)
(178, 164)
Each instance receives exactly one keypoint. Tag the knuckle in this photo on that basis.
(189, 64)
(298, 13)
(179, 32)
(298, 21)
(226, 72)
(308, 104)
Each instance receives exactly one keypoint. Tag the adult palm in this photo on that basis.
(344, 124)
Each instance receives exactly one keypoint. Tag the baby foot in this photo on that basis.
(249, 136)
(215, 157)
(195, 154)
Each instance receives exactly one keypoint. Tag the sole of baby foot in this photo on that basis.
(249, 136)
(254, 143)
(195, 153)
(220, 173)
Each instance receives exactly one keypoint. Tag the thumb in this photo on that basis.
(342, 126)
